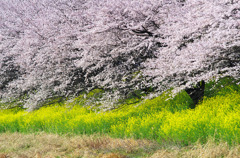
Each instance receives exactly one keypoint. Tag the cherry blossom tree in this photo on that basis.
(53, 48)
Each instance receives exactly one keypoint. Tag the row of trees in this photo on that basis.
(54, 48)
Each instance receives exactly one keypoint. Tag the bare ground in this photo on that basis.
(42, 145)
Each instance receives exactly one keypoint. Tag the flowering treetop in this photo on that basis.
(54, 48)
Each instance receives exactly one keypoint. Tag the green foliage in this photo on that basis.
(221, 87)
(12, 103)
(131, 98)
(96, 93)
(54, 101)
(87, 100)
(134, 97)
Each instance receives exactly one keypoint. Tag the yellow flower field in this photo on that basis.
(168, 121)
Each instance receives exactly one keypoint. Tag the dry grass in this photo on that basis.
(44, 145)
(208, 150)
(50, 146)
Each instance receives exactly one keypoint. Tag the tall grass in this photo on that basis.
(167, 121)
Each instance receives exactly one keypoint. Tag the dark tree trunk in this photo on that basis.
(196, 93)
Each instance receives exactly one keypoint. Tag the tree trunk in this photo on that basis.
(196, 93)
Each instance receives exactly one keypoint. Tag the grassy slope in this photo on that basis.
(168, 121)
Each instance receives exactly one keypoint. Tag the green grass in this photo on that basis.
(166, 120)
